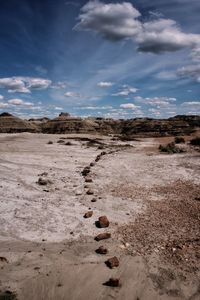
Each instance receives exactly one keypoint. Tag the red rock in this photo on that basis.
(113, 282)
(88, 179)
(103, 222)
(89, 192)
(102, 250)
(85, 171)
(112, 262)
(42, 181)
(88, 214)
(3, 259)
(102, 236)
(94, 200)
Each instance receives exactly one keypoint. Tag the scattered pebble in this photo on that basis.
(88, 214)
(112, 262)
(103, 222)
(102, 236)
(113, 282)
(102, 250)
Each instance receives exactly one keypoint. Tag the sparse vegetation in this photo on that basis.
(170, 148)
(195, 141)
(179, 140)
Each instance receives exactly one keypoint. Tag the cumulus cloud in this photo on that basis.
(191, 71)
(118, 21)
(126, 90)
(105, 84)
(163, 35)
(1, 97)
(129, 106)
(24, 84)
(112, 21)
(156, 101)
(20, 102)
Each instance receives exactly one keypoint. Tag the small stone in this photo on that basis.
(112, 262)
(43, 174)
(113, 282)
(92, 164)
(89, 192)
(42, 181)
(85, 171)
(50, 143)
(103, 153)
(88, 214)
(94, 200)
(103, 222)
(102, 250)
(98, 158)
(102, 236)
(78, 193)
(3, 259)
(88, 179)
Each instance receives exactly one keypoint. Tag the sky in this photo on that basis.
(112, 59)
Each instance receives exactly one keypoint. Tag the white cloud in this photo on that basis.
(117, 21)
(156, 101)
(164, 35)
(1, 97)
(96, 107)
(24, 84)
(3, 105)
(72, 95)
(129, 106)
(194, 104)
(105, 84)
(126, 91)
(166, 75)
(58, 108)
(113, 21)
(196, 54)
(191, 71)
(20, 102)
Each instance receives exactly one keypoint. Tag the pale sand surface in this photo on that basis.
(50, 247)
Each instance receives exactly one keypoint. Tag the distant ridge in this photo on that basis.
(138, 127)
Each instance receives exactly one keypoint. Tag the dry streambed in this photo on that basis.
(79, 214)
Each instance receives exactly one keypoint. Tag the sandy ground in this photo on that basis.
(47, 247)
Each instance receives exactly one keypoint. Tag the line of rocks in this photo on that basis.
(102, 222)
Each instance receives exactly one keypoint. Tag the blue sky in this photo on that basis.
(100, 58)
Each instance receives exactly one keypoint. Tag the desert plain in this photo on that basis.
(151, 199)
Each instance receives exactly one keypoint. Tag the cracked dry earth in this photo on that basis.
(151, 200)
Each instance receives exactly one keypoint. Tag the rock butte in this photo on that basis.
(138, 127)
